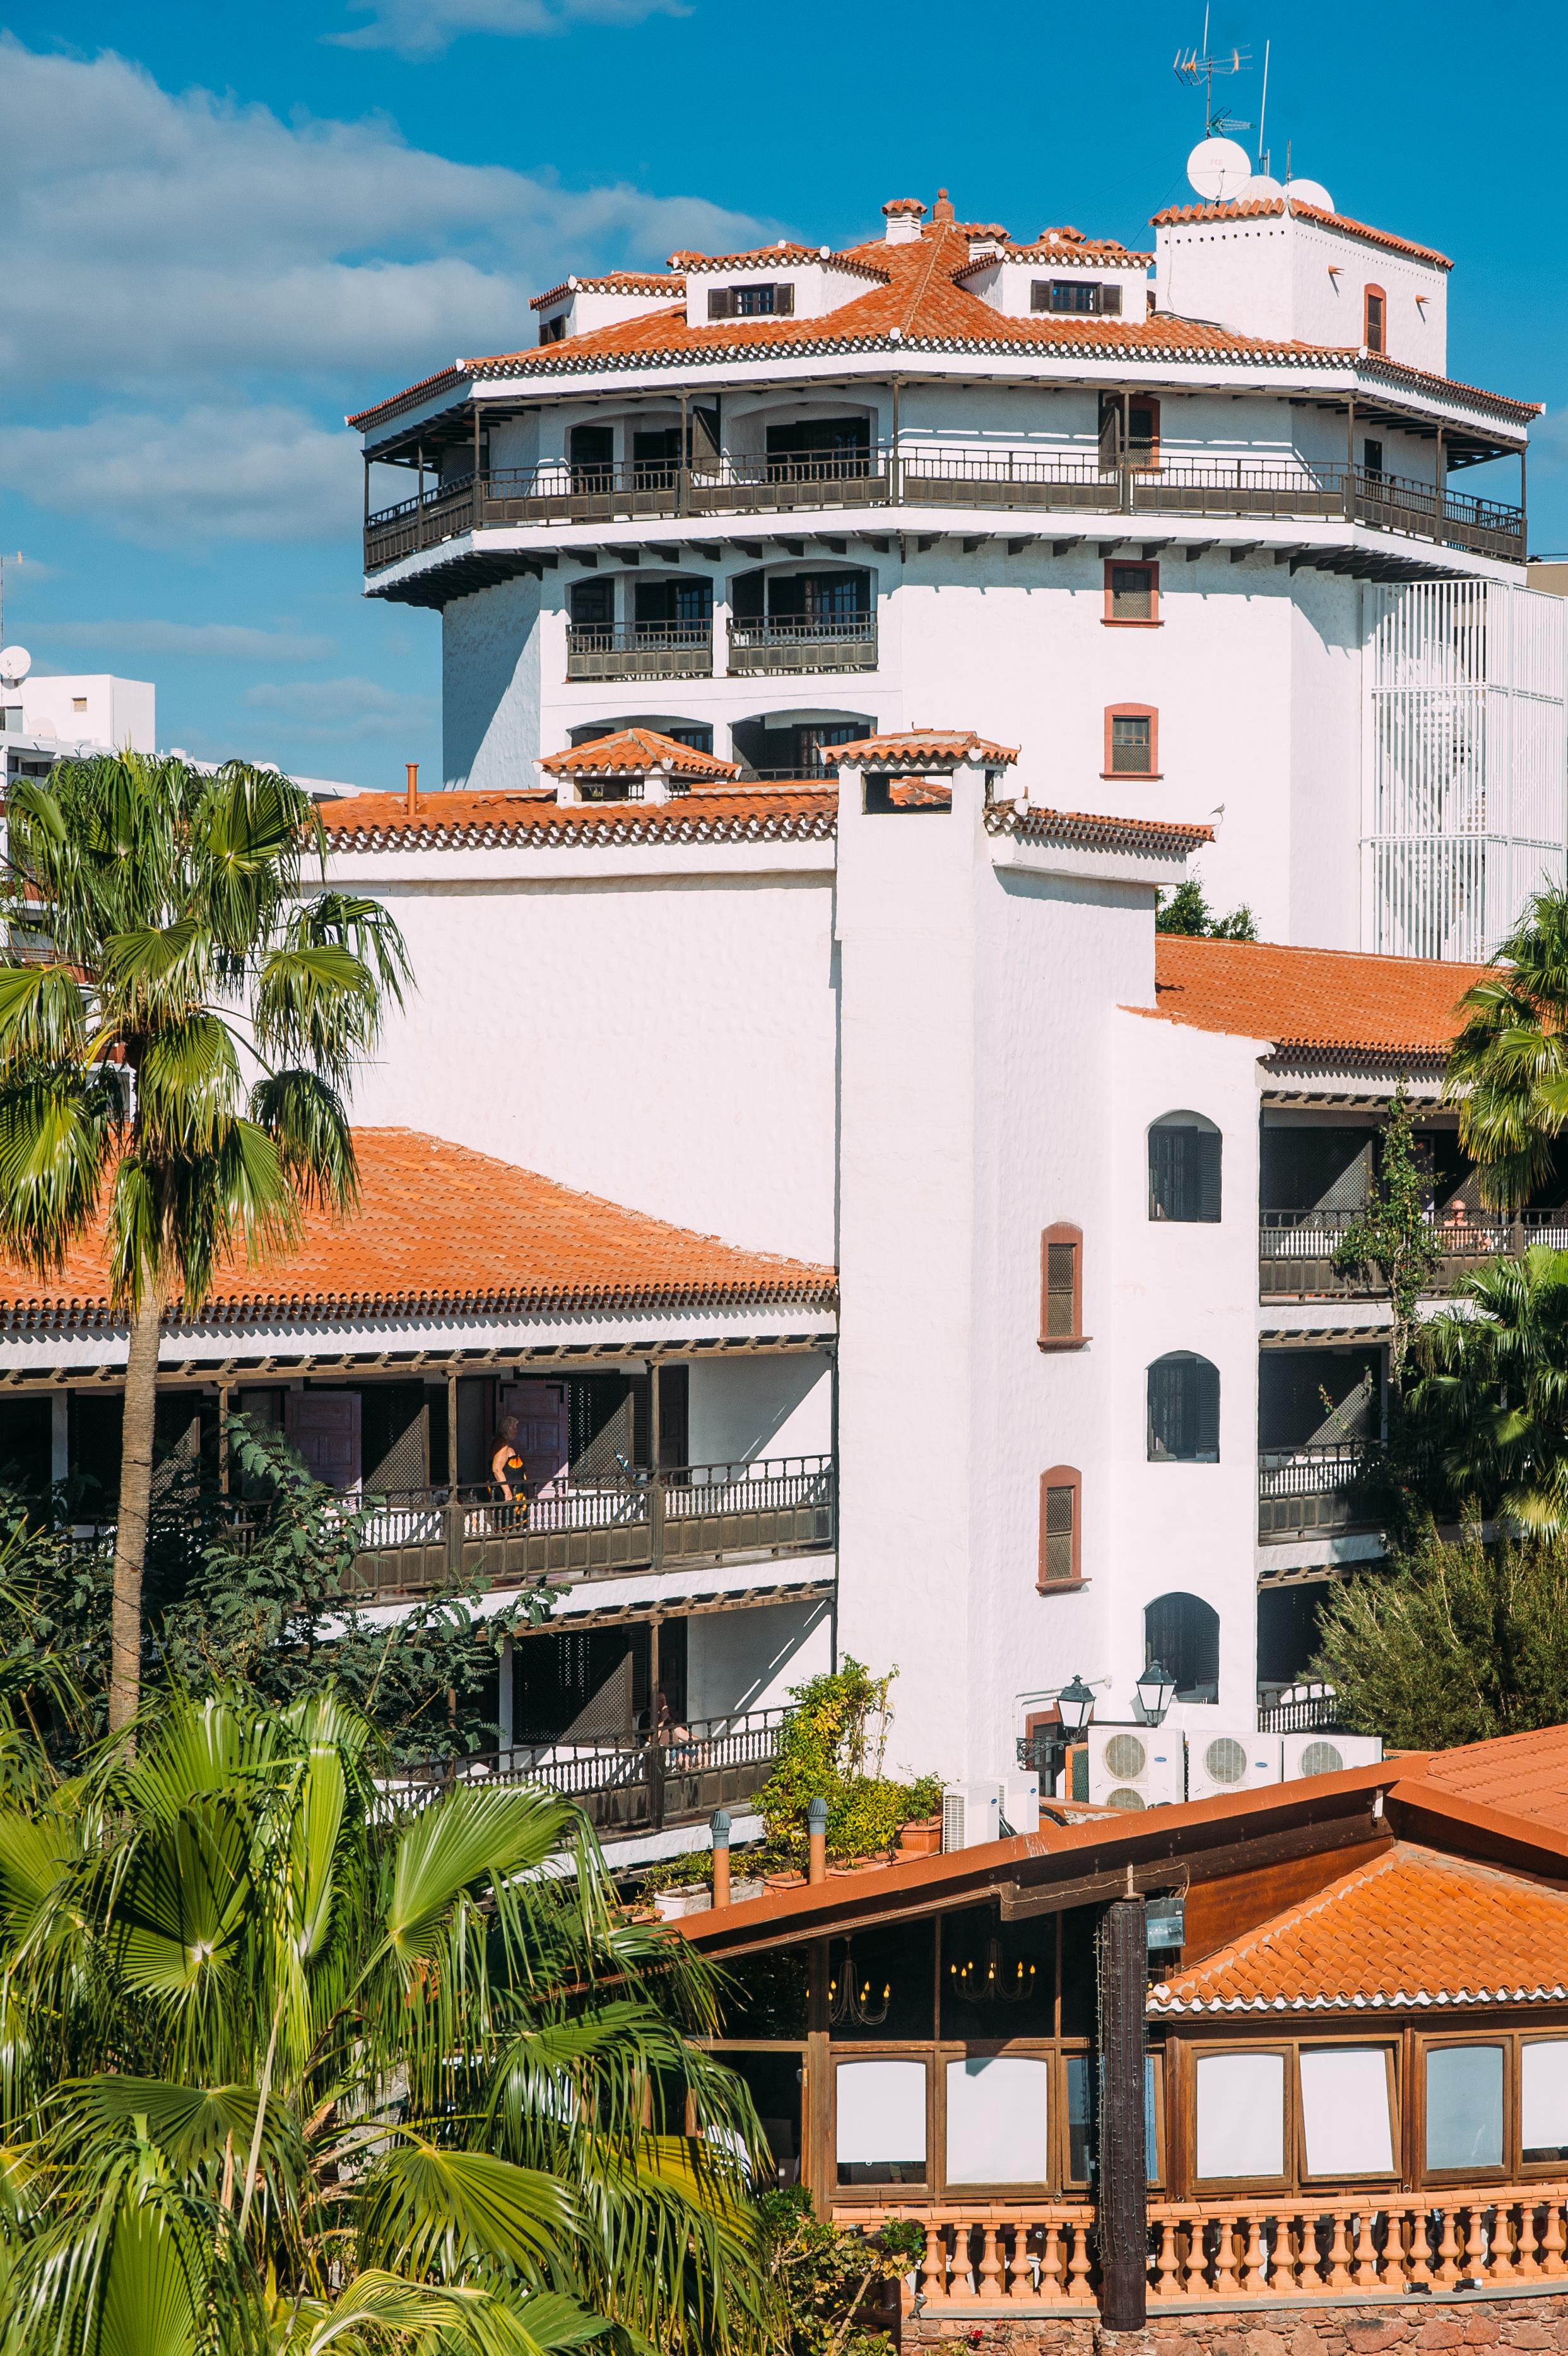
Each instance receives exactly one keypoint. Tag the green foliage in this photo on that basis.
(824, 2274)
(1490, 1408)
(1507, 1069)
(287, 2062)
(1393, 1234)
(1455, 1644)
(1185, 910)
(833, 1749)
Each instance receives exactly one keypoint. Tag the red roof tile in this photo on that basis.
(1520, 1775)
(1326, 1000)
(464, 821)
(632, 752)
(613, 282)
(1412, 1928)
(935, 746)
(1092, 831)
(442, 1229)
(1266, 208)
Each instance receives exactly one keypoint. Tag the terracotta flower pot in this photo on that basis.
(921, 1838)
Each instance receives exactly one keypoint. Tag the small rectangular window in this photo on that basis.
(1346, 2114)
(1543, 2098)
(1464, 2106)
(1132, 745)
(1085, 296)
(1060, 1563)
(553, 331)
(1082, 2121)
(1061, 1287)
(1132, 592)
(755, 302)
(79, 702)
(1375, 309)
(881, 2124)
(1372, 457)
(998, 2127)
(1240, 2116)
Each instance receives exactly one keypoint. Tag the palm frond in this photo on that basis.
(42, 1017)
(309, 1124)
(318, 1004)
(57, 1132)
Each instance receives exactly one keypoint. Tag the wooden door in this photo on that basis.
(543, 1430)
(324, 1428)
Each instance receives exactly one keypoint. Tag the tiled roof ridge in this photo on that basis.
(1301, 1911)
(612, 282)
(759, 258)
(803, 813)
(628, 751)
(1097, 832)
(1281, 207)
(1078, 251)
(955, 744)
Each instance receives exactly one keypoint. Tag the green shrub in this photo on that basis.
(833, 1749)
(823, 2276)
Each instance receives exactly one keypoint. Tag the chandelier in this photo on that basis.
(851, 1999)
(991, 1982)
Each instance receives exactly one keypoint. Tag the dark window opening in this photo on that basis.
(590, 452)
(1376, 309)
(1131, 743)
(1319, 1399)
(1288, 1620)
(26, 1448)
(1129, 431)
(1131, 591)
(1077, 295)
(1184, 1410)
(591, 1683)
(660, 604)
(766, 300)
(1060, 1514)
(1182, 1633)
(554, 331)
(1184, 1169)
(774, 2081)
(880, 1983)
(998, 1979)
(837, 596)
(1310, 1169)
(845, 439)
(1372, 457)
(591, 605)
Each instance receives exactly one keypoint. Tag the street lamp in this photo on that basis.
(1075, 1705)
(1047, 1748)
(1156, 1693)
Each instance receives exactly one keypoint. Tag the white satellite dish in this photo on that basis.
(15, 662)
(1261, 186)
(1219, 169)
(1310, 192)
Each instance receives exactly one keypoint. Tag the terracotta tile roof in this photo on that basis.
(1326, 1000)
(1413, 1928)
(934, 745)
(442, 1230)
(911, 205)
(773, 257)
(463, 821)
(1520, 1775)
(612, 282)
(1267, 207)
(1090, 831)
(632, 752)
(1071, 247)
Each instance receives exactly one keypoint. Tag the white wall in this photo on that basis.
(94, 708)
(750, 1659)
(1280, 277)
(742, 1407)
(490, 688)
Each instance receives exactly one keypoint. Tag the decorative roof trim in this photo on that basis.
(612, 282)
(774, 257)
(1283, 207)
(1162, 2001)
(927, 747)
(572, 826)
(1090, 832)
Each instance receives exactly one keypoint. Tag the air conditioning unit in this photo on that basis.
(1230, 1762)
(1326, 1754)
(971, 1813)
(1021, 1804)
(1133, 1766)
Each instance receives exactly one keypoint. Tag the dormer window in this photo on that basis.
(768, 301)
(554, 331)
(1084, 295)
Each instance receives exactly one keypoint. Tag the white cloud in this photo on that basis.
(341, 710)
(420, 27)
(161, 244)
(215, 641)
(235, 473)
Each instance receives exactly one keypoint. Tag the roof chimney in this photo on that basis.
(410, 791)
(942, 209)
(903, 217)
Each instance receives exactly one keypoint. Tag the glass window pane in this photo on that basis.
(1081, 2118)
(881, 2121)
(997, 2124)
(1544, 2099)
(1465, 2107)
(1344, 2111)
(1241, 2114)
(882, 1984)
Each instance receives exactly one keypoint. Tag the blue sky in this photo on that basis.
(226, 226)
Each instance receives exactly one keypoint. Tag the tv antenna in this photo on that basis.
(1199, 68)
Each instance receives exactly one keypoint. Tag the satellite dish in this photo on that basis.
(1310, 192)
(1261, 186)
(15, 662)
(1219, 169)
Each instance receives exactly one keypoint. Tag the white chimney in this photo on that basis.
(903, 217)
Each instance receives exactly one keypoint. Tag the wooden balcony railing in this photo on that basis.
(632, 1784)
(575, 1530)
(1307, 1492)
(560, 492)
(1032, 2255)
(841, 642)
(647, 650)
(1297, 1250)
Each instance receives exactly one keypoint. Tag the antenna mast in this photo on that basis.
(1200, 67)
(1263, 113)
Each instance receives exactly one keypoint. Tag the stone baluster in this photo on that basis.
(1255, 2265)
(934, 2272)
(1225, 2285)
(1364, 2273)
(1553, 2240)
(1077, 2289)
(1447, 2273)
(989, 2286)
(1418, 2265)
(1338, 2252)
(1168, 2287)
(1525, 2244)
(1052, 2285)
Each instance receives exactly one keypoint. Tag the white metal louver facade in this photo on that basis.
(1467, 763)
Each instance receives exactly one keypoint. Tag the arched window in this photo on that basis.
(1182, 1633)
(1184, 1167)
(1184, 1410)
(1374, 329)
(1061, 1289)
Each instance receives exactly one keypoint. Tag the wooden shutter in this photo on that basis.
(1206, 1385)
(1110, 432)
(721, 302)
(1061, 1288)
(1061, 1491)
(1208, 1163)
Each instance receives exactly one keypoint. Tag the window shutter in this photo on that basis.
(1061, 1287)
(1208, 1149)
(784, 298)
(1061, 1501)
(721, 302)
(1206, 1386)
(1110, 432)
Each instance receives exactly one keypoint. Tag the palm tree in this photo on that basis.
(178, 1024)
(1494, 1400)
(1509, 1066)
(287, 2061)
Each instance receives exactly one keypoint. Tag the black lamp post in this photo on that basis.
(1046, 1748)
(1156, 1693)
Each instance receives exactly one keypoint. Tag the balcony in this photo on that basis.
(575, 1531)
(1240, 490)
(767, 649)
(647, 650)
(1296, 1248)
(1315, 1491)
(634, 1786)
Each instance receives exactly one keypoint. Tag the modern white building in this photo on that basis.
(1189, 527)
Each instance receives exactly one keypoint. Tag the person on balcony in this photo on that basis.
(507, 1470)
